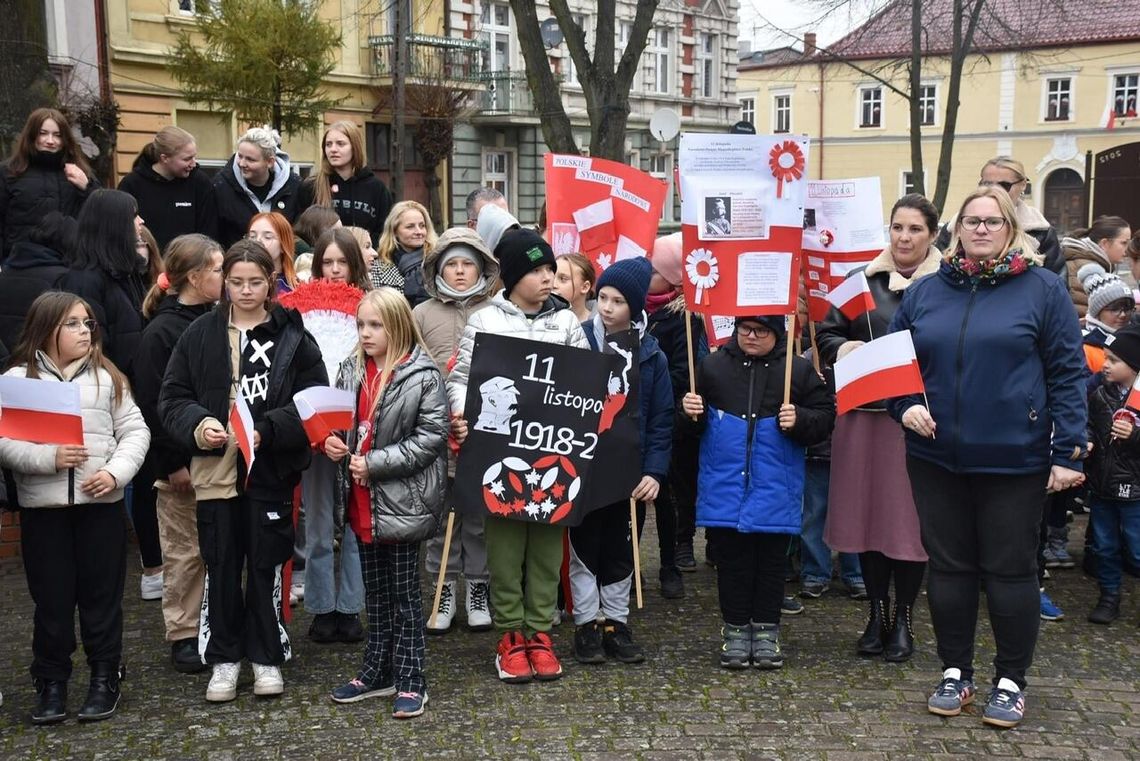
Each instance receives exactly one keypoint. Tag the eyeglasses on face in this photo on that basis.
(1122, 307)
(256, 284)
(993, 224)
(760, 331)
(1006, 186)
(78, 326)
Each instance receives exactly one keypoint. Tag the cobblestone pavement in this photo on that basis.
(1083, 701)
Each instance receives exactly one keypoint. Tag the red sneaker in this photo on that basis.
(511, 661)
(540, 653)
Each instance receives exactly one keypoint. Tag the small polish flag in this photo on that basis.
(596, 224)
(40, 411)
(1108, 121)
(852, 296)
(1132, 401)
(878, 370)
(241, 421)
(324, 410)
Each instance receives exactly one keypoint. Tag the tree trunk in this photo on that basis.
(916, 161)
(963, 41)
(545, 91)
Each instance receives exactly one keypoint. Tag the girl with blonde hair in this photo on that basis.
(407, 238)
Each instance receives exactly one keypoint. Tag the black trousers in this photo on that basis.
(256, 537)
(981, 529)
(144, 513)
(682, 487)
(75, 557)
(601, 563)
(749, 575)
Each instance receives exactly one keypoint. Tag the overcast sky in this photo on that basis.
(768, 23)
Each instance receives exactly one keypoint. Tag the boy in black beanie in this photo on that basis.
(525, 308)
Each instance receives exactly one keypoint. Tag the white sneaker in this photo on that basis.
(223, 683)
(296, 594)
(441, 621)
(151, 586)
(478, 607)
(267, 680)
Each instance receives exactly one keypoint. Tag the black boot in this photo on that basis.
(899, 646)
(51, 702)
(875, 635)
(1107, 608)
(184, 656)
(103, 696)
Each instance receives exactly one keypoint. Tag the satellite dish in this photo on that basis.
(551, 34)
(665, 124)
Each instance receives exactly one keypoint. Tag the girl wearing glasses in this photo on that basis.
(248, 345)
(1104, 244)
(998, 346)
(73, 539)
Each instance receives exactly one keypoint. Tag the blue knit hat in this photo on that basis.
(631, 277)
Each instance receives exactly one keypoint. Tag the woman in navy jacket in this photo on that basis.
(999, 347)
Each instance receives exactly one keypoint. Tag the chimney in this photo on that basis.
(809, 44)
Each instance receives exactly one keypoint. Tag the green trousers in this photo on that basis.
(518, 550)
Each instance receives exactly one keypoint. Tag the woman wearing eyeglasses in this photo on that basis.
(1008, 174)
(1104, 244)
(998, 346)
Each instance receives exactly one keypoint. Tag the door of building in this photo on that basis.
(1064, 205)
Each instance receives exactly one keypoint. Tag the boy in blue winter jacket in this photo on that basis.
(751, 478)
(601, 547)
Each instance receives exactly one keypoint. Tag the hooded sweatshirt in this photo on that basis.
(172, 207)
(363, 200)
(237, 203)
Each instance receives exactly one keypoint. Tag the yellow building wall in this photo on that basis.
(1001, 111)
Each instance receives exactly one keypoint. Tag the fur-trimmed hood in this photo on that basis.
(885, 263)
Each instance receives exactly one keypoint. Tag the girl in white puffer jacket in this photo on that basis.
(73, 536)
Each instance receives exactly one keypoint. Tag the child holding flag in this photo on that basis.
(397, 472)
(751, 477)
(248, 354)
(525, 308)
(601, 547)
(73, 540)
(1113, 468)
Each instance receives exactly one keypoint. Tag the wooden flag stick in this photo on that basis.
(814, 347)
(692, 364)
(442, 568)
(788, 360)
(636, 550)
(927, 403)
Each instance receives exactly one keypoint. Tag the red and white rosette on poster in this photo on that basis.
(786, 161)
(703, 272)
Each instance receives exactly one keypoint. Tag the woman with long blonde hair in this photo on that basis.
(345, 182)
(396, 478)
(407, 238)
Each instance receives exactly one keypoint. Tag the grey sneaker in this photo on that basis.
(813, 590)
(951, 694)
(737, 646)
(1005, 706)
(766, 653)
(790, 606)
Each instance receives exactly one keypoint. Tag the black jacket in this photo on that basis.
(667, 325)
(1113, 466)
(117, 302)
(235, 207)
(411, 266)
(199, 379)
(753, 387)
(170, 321)
(172, 207)
(29, 270)
(26, 199)
(363, 200)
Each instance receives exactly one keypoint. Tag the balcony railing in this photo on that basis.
(507, 92)
(432, 59)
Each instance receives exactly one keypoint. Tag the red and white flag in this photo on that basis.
(1132, 401)
(878, 370)
(242, 423)
(40, 411)
(852, 296)
(596, 224)
(1108, 121)
(324, 410)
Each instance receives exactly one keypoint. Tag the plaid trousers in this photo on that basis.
(392, 600)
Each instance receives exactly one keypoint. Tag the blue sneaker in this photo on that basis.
(357, 690)
(951, 694)
(409, 705)
(1049, 609)
(1006, 705)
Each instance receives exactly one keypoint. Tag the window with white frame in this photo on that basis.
(1058, 99)
(190, 7)
(1124, 91)
(662, 57)
(497, 172)
(707, 83)
(633, 158)
(748, 110)
(871, 106)
(928, 105)
(781, 113)
(906, 182)
(570, 70)
(622, 32)
(661, 167)
(496, 23)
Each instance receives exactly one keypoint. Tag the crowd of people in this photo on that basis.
(172, 297)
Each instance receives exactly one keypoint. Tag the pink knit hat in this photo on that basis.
(666, 258)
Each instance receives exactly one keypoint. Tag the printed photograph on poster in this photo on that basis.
(733, 215)
(763, 278)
